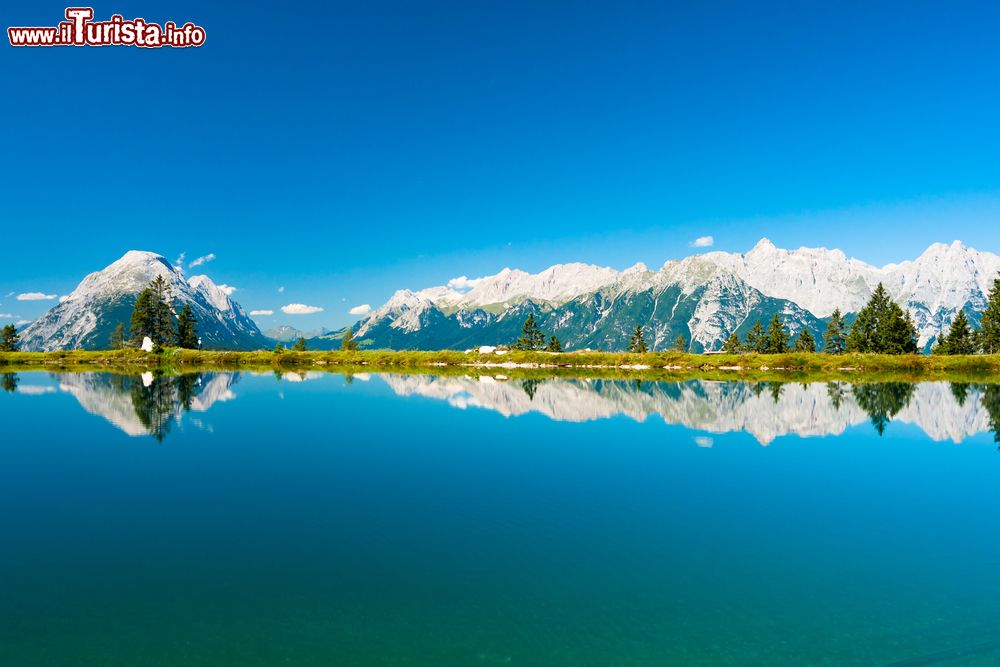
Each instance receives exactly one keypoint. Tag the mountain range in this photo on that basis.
(703, 297)
(86, 318)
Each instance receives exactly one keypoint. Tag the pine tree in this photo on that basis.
(278, 349)
(960, 339)
(989, 322)
(777, 337)
(300, 345)
(554, 344)
(117, 339)
(756, 339)
(161, 313)
(897, 334)
(152, 314)
(348, 344)
(532, 337)
(187, 332)
(835, 336)
(638, 342)
(140, 325)
(9, 340)
(732, 344)
(883, 327)
(680, 344)
(805, 342)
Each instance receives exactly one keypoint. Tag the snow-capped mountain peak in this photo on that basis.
(217, 296)
(105, 298)
(812, 283)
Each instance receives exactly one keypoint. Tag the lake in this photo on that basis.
(387, 519)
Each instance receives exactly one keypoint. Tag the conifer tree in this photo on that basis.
(532, 337)
(187, 332)
(638, 342)
(680, 344)
(777, 337)
(554, 344)
(279, 348)
(162, 314)
(960, 339)
(805, 342)
(117, 339)
(989, 322)
(835, 336)
(883, 327)
(300, 345)
(140, 324)
(348, 344)
(898, 334)
(756, 339)
(10, 341)
(732, 344)
(152, 314)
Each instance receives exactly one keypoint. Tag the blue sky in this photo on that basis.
(342, 150)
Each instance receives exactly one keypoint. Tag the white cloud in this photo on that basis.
(21, 323)
(303, 377)
(281, 290)
(35, 390)
(227, 289)
(463, 283)
(64, 298)
(262, 312)
(202, 260)
(179, 262)
(703, 242)
(10, 294)
(7, 316)
(300, 309)
(363, 309)
(35, 296)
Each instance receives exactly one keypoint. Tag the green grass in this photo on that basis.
(792, 366)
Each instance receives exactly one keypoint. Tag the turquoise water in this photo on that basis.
(324, 519)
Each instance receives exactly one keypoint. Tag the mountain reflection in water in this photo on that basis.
(766, 410)
(138, 405)
(149, 404)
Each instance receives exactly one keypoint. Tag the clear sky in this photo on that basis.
(342, 150)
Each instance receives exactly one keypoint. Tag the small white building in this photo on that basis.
(147, 344)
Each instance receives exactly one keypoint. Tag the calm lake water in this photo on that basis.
(324, 519)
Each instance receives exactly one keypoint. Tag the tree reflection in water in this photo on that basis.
(883, 401)
(991, 401)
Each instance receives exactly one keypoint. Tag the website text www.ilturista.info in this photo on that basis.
(79, 29)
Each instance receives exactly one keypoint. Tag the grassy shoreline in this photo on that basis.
(668, 365)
